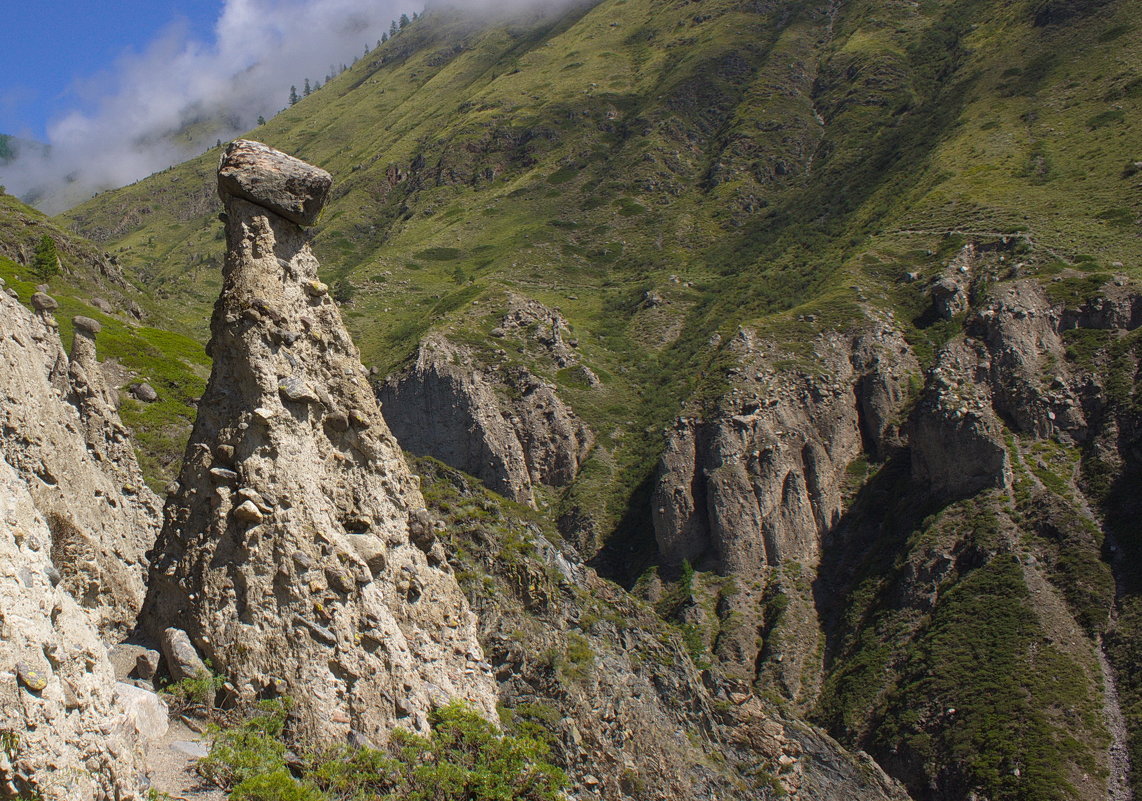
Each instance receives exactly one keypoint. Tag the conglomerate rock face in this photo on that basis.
(60, 736)
(296, 551)
(60, 432)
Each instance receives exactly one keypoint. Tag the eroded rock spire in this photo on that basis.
(296, 549)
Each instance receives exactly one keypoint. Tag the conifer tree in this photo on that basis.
(308, 90)
(385, 36)
(261, 120)
(404, 20)
(46, 261)
(293, 98)
(393, 29)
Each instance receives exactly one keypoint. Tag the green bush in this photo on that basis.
(250, 751)
(201, 689)
(465, 758)
(276, 786)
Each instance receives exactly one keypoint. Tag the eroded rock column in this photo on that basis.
(288, 549)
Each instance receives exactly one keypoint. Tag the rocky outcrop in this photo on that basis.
(949, 292)
(957, 440)
(295, 552)
(629, 713)
(1036, 388)
(62, 435)
(1020, 328)
(446, 410)
(757, 483)
(63, 736)
(504, 425)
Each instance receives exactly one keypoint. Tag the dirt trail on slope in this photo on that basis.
(170, 763)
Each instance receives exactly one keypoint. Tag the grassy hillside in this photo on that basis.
(735, 163)
(665, 174)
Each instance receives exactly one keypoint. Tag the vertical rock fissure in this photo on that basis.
(1118, 787)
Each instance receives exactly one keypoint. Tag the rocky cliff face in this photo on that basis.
(811, 489)
(758, 483)
(957, 439)
(502, 424)
(630, 714)
(62, 435)
(294, 550)
(74, 520)
(61, 734)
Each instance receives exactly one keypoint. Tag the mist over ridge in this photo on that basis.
(155, 108)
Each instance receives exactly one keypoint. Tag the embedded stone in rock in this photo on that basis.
(338, 421)
(296, 390)
(41, 301)
(248, 512)
(86, 324)
(271, 179)
(32, 678)
(224, 474)
(183, 660)
(371, 550)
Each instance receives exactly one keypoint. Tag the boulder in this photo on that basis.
(144, 392)
(87, 325)
(183, 660)
(141, 711)
(41, 301)
(147, 664)
(273, 180)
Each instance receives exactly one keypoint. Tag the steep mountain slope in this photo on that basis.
(833, 303)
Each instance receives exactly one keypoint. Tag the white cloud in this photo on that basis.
(215, 90)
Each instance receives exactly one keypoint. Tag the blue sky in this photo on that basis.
(117, 87)
(51, 46)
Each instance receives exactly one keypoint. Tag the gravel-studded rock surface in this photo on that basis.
(63, 436)
(64, 736)
(290, 552)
